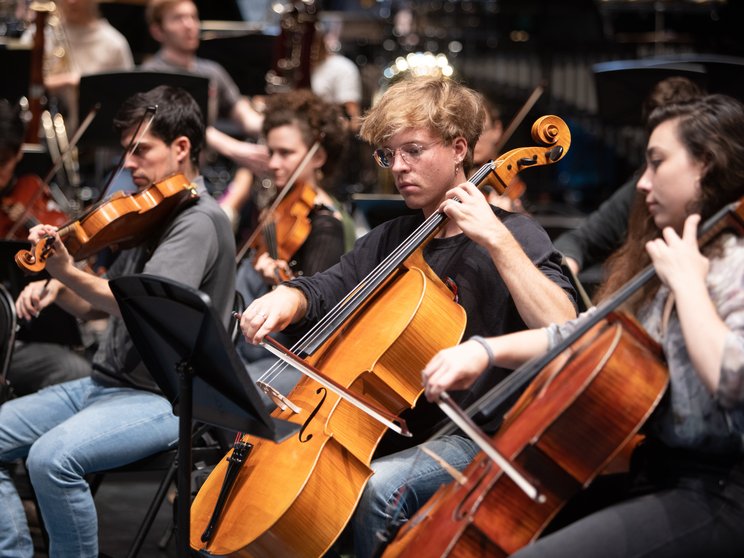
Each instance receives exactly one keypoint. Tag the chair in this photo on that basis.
(7, 339)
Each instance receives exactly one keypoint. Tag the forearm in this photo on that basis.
(246, 154)
(514, 349)
(704, 332)
(539, 300)
(85, 295)
(250, 119)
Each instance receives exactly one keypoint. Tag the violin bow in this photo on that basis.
(139, 133)
(279, 197)
(520, 116)
(56, 165)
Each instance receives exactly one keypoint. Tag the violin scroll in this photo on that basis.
(33, 260)
(124, 221)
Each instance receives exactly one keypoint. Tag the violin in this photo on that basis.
(284, 229)
(124, 220)
(285, 224)
(27, 203)
(261, 500)
(586, 401)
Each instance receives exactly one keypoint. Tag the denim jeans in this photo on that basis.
(65, 432)
(401, 484)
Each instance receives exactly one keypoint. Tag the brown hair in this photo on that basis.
(316, 119)
(711, 129)
(156, 8)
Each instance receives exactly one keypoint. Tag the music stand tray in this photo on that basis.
(186, 348)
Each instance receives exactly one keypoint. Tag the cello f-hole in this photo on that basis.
(312, 415)
(460, 511)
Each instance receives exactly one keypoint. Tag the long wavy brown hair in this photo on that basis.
(711, 129)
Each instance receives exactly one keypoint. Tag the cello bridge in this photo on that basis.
(279, 400)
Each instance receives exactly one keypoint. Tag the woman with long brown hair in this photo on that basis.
(686, 496)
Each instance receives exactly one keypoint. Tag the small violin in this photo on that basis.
(32, 206)
(287, 227)
(124, 220)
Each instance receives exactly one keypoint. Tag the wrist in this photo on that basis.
(491, 357)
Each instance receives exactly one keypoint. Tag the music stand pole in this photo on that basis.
(185, 375)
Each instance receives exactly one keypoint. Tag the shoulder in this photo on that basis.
(204, 220)
(211, 67)
(522, 226)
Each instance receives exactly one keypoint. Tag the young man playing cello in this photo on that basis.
(117, 415)
(505, 269)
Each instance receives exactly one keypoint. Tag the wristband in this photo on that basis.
(489, 351)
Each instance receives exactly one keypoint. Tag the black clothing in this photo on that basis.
(481, 291)
(603, 232)
(323, 246)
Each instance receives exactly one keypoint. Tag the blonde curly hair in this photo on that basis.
(441, 105)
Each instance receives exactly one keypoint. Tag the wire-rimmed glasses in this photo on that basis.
(409, 152)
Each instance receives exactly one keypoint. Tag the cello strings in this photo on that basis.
(328, 324)
(320, 331)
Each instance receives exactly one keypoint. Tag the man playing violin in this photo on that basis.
(117, 415)
(506, 273)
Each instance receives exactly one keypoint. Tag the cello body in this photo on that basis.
(578, 413)
(317, 477)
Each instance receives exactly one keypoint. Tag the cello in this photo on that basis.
(589, 397)
(261, 498)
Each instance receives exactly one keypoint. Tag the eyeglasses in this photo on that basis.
(409, 152)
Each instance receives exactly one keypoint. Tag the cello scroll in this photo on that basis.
(554, 137)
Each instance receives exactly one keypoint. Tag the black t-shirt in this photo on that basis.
(460, 262)
(323, 246)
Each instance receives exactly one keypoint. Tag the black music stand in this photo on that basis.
(111, 89)
(186, 348)
(16, 62)
(624, 85)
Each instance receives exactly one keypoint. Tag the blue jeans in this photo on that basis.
(401, 484)
(65, 432)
